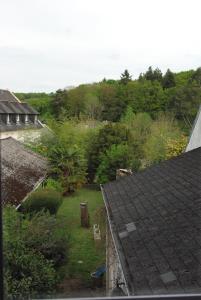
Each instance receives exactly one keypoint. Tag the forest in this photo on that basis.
(112, 124)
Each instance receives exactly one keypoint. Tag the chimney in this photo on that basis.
(123, 172)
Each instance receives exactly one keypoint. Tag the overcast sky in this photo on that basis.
(51, 44)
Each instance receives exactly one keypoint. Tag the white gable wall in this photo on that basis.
(195, 138)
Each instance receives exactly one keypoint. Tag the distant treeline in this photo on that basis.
(153, 92)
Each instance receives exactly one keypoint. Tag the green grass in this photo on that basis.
(83, 248)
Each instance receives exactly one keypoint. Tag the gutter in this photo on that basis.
(116, 242)
(36, 186)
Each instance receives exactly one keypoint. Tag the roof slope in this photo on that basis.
(156, 222)
(21, 170)
(7, 107)
(6, 95)
(195, 138)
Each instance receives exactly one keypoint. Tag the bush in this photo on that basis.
(117, 157)
(47, 235)
(53, 184)
(44, 199)
(28, 272)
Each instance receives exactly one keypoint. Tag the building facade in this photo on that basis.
(18, 119)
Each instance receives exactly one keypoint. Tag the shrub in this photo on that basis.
(27, 272)
(47, 235)
(43, 199)
(118, 156)
(53, 184)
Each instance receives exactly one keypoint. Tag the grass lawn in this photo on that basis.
(84, 254)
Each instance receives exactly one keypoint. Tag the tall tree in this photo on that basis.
(125, 77)
(197, 76)
(58, 102)
(168, 80)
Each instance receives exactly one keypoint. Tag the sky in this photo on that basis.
(50, 44)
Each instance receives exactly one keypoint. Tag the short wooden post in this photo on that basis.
(84, 214)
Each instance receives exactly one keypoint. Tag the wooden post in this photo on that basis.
(84, 214)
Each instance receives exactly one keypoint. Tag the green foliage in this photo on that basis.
(53, 184)
(68, 165)
(128, 116)
(27, 273)
(168, 80)
(33, 249)
(196, 76)
(113, 104)
(47, 235)
(82, 245)
(58, 102)
(155, 147)
(40, 101)
(108, 135)
(125, 77)
(118, 156)
(151, 75)
(108, 99)
(43, 199)
(175, 147)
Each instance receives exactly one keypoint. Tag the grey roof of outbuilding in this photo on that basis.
(6, 95)
(7, 107)
(155, 217)
(21, 170)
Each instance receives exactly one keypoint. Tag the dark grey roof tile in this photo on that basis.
(164, 203)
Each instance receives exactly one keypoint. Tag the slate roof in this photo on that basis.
(155, 217)
(6, 95)
(21, 171)
(7, 107)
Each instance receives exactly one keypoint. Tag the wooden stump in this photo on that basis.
(84, 214)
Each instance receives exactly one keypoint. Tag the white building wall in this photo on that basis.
(23, 135)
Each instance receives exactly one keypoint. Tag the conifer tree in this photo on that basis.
(125, 77)
(168, 80)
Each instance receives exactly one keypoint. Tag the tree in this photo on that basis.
(118, 156)
(28, 273)
(125, 77)
(76, 104)
(58, 102)
(68, 165)
(151, 75)
(157, 75)
(110, 134)
(161, 131)
(196, 76)
(168, 80)
(112, 104)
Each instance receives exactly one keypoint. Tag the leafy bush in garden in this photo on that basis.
(27, 273)
(110, 134)
(157, 146)
(53, 184)
(47, 235)
(33, 250)
(118, 156)
(174, 147)
(43, 199)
